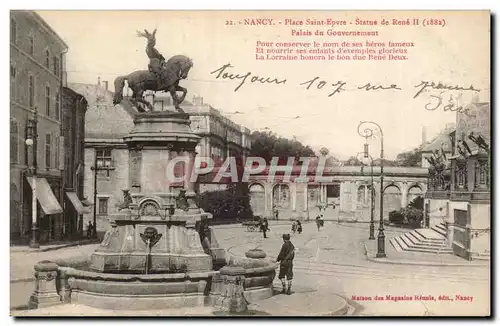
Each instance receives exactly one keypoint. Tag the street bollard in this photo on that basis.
(45, 293)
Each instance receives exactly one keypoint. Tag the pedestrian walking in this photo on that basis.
(276, 212)
(90, 228)
(299, 227)
(294, 226)
(285, 258)
(318, 222)
(264, 227)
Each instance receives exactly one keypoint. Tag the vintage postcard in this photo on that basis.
(250, 163)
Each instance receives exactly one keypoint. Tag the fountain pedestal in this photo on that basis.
(163, 203)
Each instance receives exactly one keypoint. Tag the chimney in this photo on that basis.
(105, 82)
(424, 135)
(98, 81)
(197, 100)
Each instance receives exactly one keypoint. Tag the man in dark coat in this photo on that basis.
(264, 226)
(285, 257)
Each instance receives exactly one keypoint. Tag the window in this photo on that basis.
(103, 205)
(31, 45)
(103, 158)
(47, 59)
(47, 150)
(13, 86)
(333, 191)
(31, 92)
(56, 164)
(12, 72)
(58, 109)
(14, 147)
(13, 31)
(56, 66)
(47, 100)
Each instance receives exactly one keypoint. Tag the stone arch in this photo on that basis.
(392, 197)
(257, 198)
(362, 195)
(281, 196)
(414, 190)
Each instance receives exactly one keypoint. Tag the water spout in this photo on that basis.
(150, 238)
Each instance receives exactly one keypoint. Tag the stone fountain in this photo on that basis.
(160, 252)
(159, 231)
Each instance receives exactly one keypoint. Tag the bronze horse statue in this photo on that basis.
(172, 71)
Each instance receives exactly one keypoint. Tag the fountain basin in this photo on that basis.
(158, 291)
(133, 291)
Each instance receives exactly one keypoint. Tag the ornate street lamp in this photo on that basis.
(31, 143)
(372, 194)
(368, 132)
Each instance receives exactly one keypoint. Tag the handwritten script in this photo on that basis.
(436, 100)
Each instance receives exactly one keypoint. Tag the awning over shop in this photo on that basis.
(45, 196)
(77, 204)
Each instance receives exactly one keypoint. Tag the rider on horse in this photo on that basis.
(156, 60)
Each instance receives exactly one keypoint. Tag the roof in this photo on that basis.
(442, 138)
(47, 27)
(104, 120)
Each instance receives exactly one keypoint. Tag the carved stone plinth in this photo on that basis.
(45, 293)
(123, 250)
(231, 298)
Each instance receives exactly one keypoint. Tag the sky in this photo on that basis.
(104, 44)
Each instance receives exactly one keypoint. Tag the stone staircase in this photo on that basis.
(431, 240)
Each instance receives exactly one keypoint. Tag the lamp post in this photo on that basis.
(32, 142)
(94, 233)
(368, 132)
(372, 195)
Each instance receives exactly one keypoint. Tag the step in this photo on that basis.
(431, 251)
(423, 245)
(407, 242)
(431, 247)
(429, 234)
(420, 239)
(441, 232)
(401, 243)
(395, 244)
(441, 226)
(398, 241)
(414, 241)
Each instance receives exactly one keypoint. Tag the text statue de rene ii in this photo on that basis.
(161, 76)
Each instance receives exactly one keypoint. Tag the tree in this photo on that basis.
(353, 160)
(411, 158)
(417, 203)
(324, 151)
(268, 145)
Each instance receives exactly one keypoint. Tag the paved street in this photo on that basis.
(333, 261)
(329, 261)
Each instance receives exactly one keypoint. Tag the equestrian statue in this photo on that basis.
(161, 76)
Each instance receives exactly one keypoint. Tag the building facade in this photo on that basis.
(344, 196)
(37, 73)
(74, 204)
(107, 124)
(461, 191)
